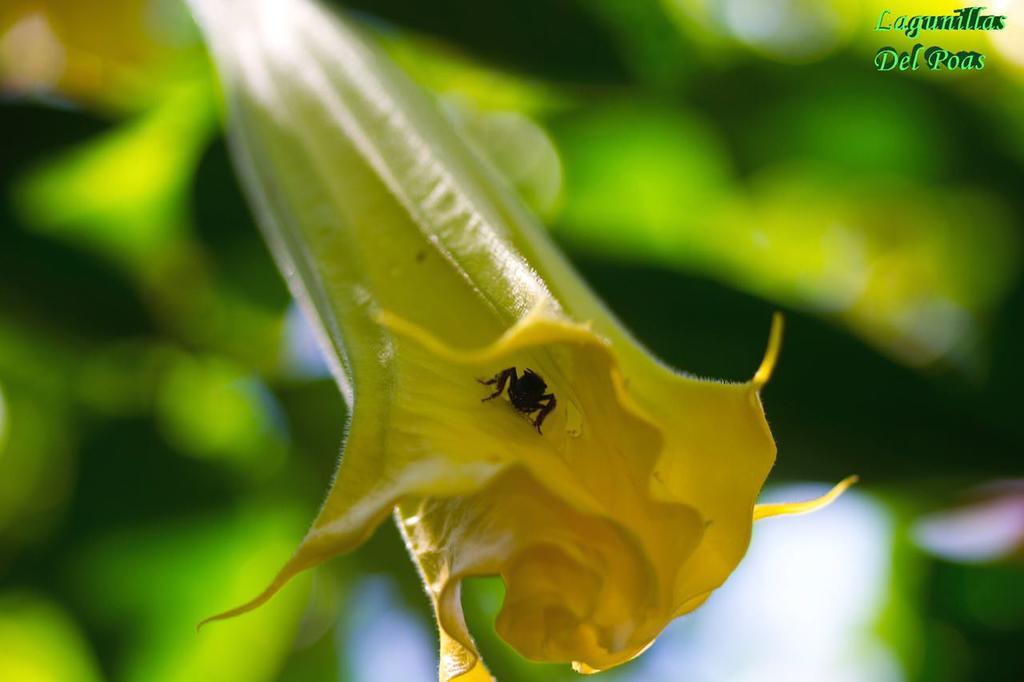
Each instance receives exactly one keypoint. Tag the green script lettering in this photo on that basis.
(886, 59)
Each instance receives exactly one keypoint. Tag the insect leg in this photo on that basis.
(545, 410)
(501, 378)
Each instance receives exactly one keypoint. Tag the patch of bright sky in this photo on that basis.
(303, 357)
(380, 640)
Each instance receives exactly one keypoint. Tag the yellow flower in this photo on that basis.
(633, 500)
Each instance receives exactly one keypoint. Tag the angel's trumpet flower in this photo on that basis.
(622, 508)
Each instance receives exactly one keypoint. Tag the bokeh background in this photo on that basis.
(168, 429)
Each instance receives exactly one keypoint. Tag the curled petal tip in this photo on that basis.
(209, 619)
(771, 353)
(260, 599)
(764, 511)
(220, 616)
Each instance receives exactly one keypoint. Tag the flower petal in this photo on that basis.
(575, 583)
(717, 453)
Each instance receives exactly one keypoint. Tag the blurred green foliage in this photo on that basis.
(166, 431)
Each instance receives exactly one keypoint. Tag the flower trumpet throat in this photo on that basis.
(423, 274)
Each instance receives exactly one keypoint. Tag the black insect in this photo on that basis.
(527, 393)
